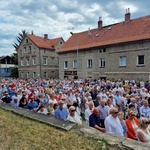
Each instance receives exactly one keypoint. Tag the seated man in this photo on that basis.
(61, 112)
(32, 104)
(94, 120)
(6, 98)
(112, 123)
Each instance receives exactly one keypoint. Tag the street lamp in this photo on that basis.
(77, 50)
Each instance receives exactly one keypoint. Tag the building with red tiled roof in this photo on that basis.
(37, 57)
(119, 50)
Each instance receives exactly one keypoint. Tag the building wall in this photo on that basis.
(49, 69)
(112, 67)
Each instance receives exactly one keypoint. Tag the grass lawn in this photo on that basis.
(20, 133)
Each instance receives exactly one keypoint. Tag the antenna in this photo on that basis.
(100, 18)
(128, 10)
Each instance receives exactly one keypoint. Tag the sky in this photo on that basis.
(58, 18)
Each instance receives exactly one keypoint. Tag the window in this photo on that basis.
(26, 40)
(34, 74)
(74, 64)
(25, 50)
(21, 62)
(122, 61)
(140, 60)
(45, 61)
(34, 49)
(29, 49)
(141, 45)
(33, 61)
(102, 50)
(27, 62)
(22, 75)
(89, 63)
(65, 64)
(61, 42)
(102, 62)
(28, 75)
(45, 74)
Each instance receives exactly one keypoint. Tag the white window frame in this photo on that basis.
(34, 74)
(45, 60)
(27, 61)
(75, 64)
(102, 62)
(21, 62)
(29, 50)
(123, 61)
(22, 74)
(89, 63)
(65, 64)
(138, 60)
(33, 61)
(25, 50)
(28, 75)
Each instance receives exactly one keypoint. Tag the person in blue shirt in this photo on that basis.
(61, 112)
(32, 104)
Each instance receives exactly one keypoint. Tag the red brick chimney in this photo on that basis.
(100, 23)
(45, 36)
(127, 15)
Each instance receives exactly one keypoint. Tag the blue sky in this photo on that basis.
(58, 18)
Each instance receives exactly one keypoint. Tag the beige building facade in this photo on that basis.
(37, 57)
(116, 51)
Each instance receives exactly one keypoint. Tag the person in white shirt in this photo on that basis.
(73, 116)
(89, 111)
(112, 123)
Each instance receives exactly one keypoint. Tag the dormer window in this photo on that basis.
(102, 50)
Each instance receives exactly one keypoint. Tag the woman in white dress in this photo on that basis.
(143, 133)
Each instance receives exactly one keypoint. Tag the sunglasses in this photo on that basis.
(132, 115)
(116, 112)
(147, 122)
(73, 110)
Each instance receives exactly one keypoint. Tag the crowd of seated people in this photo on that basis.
(118, 107)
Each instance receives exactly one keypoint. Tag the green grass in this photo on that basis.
(20, 133)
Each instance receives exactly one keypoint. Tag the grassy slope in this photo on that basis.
(19, 133)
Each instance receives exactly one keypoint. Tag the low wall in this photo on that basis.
(113, 142)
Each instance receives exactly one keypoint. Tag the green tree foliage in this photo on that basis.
(14, 72)
(19, 38)
(14, 58)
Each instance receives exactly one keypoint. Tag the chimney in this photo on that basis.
(89, 32)
(127, 15)
(45, 36)
(100, 23)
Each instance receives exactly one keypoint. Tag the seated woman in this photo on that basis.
(23, 101)
(132, 124)
(73, 115)
(42, 110)
(89, 111)
(143, 133)
(122, 121)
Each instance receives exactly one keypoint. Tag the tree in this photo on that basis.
(19, 38)
(14, 58)
(14, 72)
